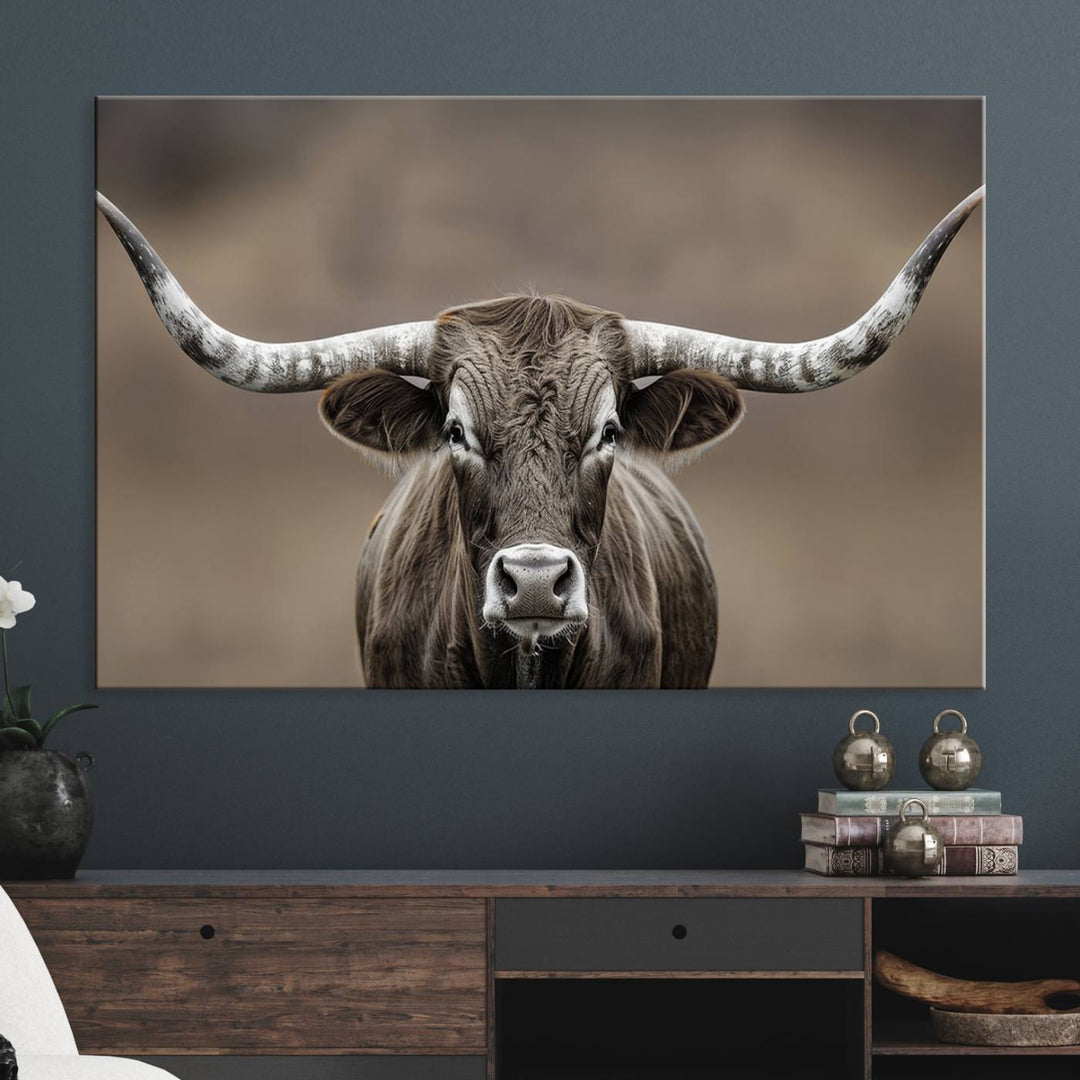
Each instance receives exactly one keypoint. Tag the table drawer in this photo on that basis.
(164, 976)
(785, 934)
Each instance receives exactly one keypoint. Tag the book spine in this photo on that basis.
(842, 831)
(842, 861)
(964, 861)
(957, 829)
(888, 803)
(979, 860)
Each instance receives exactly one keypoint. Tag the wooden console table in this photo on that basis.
(413, 975)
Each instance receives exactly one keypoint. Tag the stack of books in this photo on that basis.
(844, 837)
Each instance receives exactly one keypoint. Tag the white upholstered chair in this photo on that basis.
(33, 1020)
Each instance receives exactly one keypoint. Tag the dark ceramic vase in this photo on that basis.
(45, 814)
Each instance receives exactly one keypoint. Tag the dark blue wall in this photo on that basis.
(349, 779)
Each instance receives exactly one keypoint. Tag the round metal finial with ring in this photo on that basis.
(864, 760)
(913, 847)
(864, 712)
(902, 817)
(950, 760)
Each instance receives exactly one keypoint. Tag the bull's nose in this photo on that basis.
(535, 583)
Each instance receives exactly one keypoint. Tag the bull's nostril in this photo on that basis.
(564, 584)
(508, 583)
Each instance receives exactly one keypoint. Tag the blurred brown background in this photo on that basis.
(846, 526)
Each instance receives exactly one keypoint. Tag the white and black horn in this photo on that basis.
(808, 365)
(281, 368)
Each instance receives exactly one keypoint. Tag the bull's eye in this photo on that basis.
(455, 434)
(610, 435)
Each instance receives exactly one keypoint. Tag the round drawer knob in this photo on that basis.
(678, 932)
(207, 931)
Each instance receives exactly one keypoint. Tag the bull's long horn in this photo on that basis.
(807, 365)
(256, 365)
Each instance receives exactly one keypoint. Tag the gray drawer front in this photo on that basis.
(721, 935)
(390, 1067)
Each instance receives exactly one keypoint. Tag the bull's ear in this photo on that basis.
(385, 415)
(681, 414)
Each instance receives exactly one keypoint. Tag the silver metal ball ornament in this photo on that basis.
(950, 760)
(864, 760)
(913, 847)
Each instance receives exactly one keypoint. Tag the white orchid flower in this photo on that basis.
(14, 600)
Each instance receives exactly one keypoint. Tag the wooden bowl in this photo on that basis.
(1007, 1029)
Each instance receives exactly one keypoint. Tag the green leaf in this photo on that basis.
(15, 736)
(60, 716)
(7, 713)
(20, 699)
(32, 726)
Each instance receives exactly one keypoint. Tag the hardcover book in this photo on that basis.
(888, 803)
(965, 860)
(955, 829)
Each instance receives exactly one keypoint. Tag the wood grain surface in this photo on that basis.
(384, 884)
(300, 976)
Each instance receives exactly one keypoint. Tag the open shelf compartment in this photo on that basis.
(982, 938)
(665, 1028)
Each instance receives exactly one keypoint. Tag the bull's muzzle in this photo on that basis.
(535, 590)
